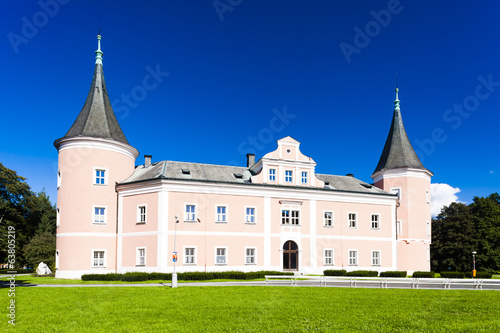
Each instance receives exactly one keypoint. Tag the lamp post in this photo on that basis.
(174, 257)
(474, 264)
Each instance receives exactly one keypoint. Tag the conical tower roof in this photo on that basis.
(97, 119)
(398, 151)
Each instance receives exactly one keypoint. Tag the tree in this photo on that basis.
(27, 212)
(454, 237)
(42, 247)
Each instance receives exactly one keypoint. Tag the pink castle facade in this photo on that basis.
(276, 213)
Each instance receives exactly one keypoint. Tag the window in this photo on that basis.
(290, 217)
(189, 256)
(99, 215)
(249, 215)
(220, 256)
(353, 257)
(304, 177)
(250, 256)
(375, 221)
(375, 258)
(58, 217)
(141, 214)
(328, 219)
(141, 257)
(58, 179)
(190, 213)
(221, 214)
(352, 220)
(99, 258)
(328, 257)
(100, 177)
(288, 176)
(272, 175)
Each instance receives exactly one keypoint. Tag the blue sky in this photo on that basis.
(234, 76)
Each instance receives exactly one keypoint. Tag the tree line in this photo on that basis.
(33, 217)
(460, 229)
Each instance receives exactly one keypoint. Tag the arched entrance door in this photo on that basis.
(290, 256)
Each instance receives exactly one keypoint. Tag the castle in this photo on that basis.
(276, 213)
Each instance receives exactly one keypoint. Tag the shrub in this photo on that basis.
(452, 275)
(393, 274)
(363, 273)
(480, 275)
(135, 276)
(160, 276)
(101, 277)
(334, 272)
(424, 274)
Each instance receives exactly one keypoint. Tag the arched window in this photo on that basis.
(290, 256)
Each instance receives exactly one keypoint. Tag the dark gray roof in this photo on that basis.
(398, 151)
(236, 175)
(97, 119)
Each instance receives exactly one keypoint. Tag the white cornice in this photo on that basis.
(402, 172)
(96, 143)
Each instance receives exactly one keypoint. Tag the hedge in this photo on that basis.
(363, 273)
(420, 274)
(187, 276)
(401, 274)
(453, 275)
(480, 275)
(334, 272)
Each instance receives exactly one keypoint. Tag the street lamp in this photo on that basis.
(174, 256)
(474, 264)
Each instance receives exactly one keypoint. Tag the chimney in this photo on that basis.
(250, 160)
(147, 160)
(350, 175)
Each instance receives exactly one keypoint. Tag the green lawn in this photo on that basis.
(252, 309)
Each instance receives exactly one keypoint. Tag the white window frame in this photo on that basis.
(92, 263)
(94, 176)
(138, 256)
(186, 214)
(186, 256)
(58, 216)
(377, 227)
(376, 260)
(58, 179)
(325, 220)
(225, 256)
(105, 222)
(289, 177)
(304, 177)
(355, 220)
(329, 260)
(139, 214)
(289, 220)
(218, 215)
(352, 260)
(254, 215)
(250, 257)
(272, 175)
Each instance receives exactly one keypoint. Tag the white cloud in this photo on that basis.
(442, 195)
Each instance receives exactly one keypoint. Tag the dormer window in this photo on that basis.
(186, 172)
(272, 175)
(288, 176)
(304, 177)
(238, 176)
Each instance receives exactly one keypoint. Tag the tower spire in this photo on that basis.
(98, 52)
(396, 102)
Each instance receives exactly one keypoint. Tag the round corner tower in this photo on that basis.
(94, 155)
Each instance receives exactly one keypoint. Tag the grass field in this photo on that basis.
(252, 309)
